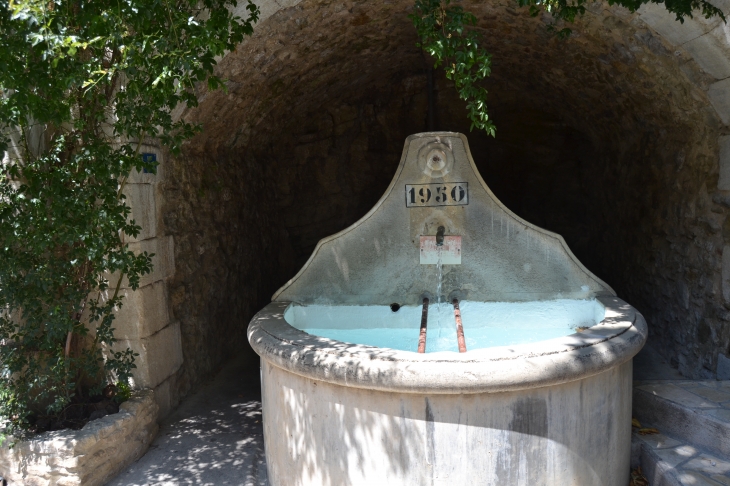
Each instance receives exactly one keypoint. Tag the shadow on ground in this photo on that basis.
(215, 437)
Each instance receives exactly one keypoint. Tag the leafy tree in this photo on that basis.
(82, 85)
(445, 35)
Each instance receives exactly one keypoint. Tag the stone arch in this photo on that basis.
(616, 138)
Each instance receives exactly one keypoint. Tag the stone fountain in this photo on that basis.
(524, 375)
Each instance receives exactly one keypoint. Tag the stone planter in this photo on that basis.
(89, 456)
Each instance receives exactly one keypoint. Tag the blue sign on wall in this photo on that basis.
(149, 158)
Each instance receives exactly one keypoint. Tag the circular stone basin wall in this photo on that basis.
(547, 413)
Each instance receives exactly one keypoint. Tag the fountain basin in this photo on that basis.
(545, 413)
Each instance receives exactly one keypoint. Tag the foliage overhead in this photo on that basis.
(82, 85)
(568, 10)
(443, 35)
(447, 34)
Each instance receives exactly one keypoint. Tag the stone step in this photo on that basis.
(666, 461)
(690, 411)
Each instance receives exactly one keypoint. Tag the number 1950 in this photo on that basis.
(424, 195)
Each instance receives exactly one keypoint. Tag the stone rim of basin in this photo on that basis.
(609, 343)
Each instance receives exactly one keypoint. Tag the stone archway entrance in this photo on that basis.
(616, 139)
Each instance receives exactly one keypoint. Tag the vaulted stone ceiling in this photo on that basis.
(613, 71)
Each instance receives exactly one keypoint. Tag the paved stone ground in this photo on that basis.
(215, 437)
(676, 461)
(691, 465)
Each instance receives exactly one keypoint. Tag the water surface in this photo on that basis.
(486, 324)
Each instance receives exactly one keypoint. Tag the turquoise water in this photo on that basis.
(486, 324)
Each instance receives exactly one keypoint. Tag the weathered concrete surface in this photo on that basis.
(321, 434)
(86, 457)
(503, 257)
(610, 343)
(214, 438)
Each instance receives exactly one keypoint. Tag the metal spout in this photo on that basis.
(440, 236)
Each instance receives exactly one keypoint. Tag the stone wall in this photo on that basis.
(331, 166)
(86, 457)
(144, 323)
(231, 254)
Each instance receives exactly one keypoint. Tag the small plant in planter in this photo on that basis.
(82, 85)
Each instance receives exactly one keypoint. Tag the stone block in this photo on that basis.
(163, 261)
(711, 53)
(137, 177)
(163, 397)
(665, 23)
(675, 394)
(723, 367)
(695, 479)
(659, 441)
(141, 198)
(711, 393)
(724, 182)
(143, 313)
(160, 355)
(178, 111)
(719, 94)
